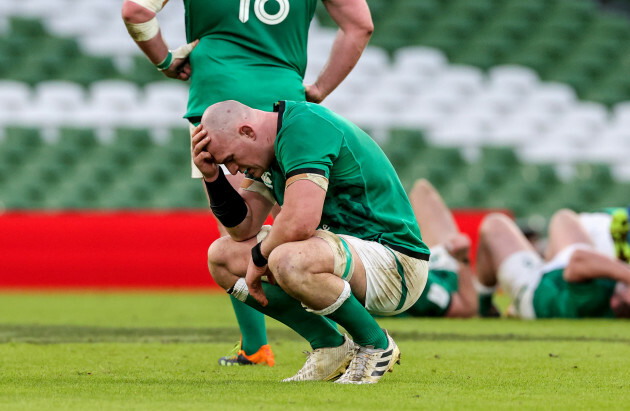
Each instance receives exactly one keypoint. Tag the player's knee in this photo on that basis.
(287, 265)
(217, 252)
(422, 186)
(561, 216)
(494, 223)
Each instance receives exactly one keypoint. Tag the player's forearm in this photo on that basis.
(144, 30)
(155, 49)
(251, 224)
(355, 29)
(586, 265)
(242, 215)
(288, 227)
(345, 54)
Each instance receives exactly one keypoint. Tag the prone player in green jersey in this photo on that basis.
(573, 281)
(450, 291)
(253, 51)
(345, 244)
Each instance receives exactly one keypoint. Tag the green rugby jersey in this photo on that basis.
(365, 198)
(252, 51)
(437, 295)
(556, 298)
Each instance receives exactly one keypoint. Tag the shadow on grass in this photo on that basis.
(61, 334)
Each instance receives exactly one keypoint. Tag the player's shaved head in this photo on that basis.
(223, 118)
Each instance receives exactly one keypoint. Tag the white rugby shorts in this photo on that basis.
(388, 292)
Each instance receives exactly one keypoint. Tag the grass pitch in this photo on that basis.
(160, 350)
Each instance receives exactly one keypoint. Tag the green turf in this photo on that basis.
(159, 351)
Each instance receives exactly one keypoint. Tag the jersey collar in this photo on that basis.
(279, 108)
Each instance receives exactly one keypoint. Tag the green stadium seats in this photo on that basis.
(26, 137)
(611, 26)
(29, 28)
(504, 157)
(538, 60)
(132, 138)
(36, 67)
(563, 27)
(118, 157)
(484, 51)
(98, 173)
(188, 193)
(437, 174)
(89, 69)
(63, 47)
(525, 9)
(403, 147)
(143, 72)
(151, 172)
(568, 41)
(23, 193)
(82, 139)
(447, 42)
(508, 27)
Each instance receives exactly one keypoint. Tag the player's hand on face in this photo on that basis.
(202, 159)
(313, 93)
(253, 278)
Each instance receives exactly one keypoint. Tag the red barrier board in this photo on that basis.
(118, 249)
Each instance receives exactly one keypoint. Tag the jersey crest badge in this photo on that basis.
(266, 179)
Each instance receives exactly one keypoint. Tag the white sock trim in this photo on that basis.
(240, 290)
(345, 294)
(483, 289)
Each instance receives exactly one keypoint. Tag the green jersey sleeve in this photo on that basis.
(316, 147)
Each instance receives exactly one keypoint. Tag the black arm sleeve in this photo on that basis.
(225, 202)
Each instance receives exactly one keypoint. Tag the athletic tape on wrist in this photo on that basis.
(239, 290)
(166, 63)
(345, 294)
(182, 52)
(225, 202)
(143, 31)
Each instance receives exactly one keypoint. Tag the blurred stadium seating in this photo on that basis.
(519, 104)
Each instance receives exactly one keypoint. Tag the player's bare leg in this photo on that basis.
(440, 232)
(499, 238)
(436, 221)
(306, 270)
(565, 229)
(332, 352)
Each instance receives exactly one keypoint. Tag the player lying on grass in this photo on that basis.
(450, 291)
(346, 243)
(575, 281)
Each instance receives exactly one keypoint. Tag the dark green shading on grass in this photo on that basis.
(63, 334)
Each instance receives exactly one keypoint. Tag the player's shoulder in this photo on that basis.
(310, 118)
